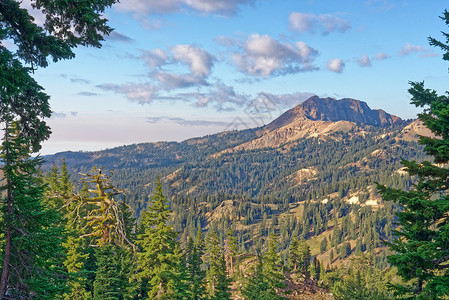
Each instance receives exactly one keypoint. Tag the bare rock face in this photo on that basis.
(329, 109)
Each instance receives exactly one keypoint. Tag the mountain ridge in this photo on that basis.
(318, 117)
(330, 109)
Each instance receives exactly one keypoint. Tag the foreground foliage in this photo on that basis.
(421, 246)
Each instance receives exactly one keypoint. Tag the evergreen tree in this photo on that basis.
(193, 260)
(257, 286)
(216, 275)
(33, 254)
(231, 248)
(105, 224)
(323, 245)
(22, 101)
(360, 280)
(59, 195)
(159, 257)
(272, 265)
(313, 269)
(107, 281)
(422, 248)
(303, 256)
(293, 256)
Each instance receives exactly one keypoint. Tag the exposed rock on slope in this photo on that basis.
(329, 109)
(318, 117)
(412, 131)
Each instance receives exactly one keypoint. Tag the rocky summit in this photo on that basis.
(330, 109)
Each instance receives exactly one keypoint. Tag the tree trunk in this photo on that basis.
(5, 271)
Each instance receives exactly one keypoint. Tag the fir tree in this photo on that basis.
(293, 257)
(33, 254)
(106, 225)
(193, 260)
(107, 281)
(23, 101)
(216, 275)
(159, 257)
(59, 195)
(272, 265)
(303, 256)
(257, 286)
(231, 248)
(323, 245)
(360, 280)
(422, 248)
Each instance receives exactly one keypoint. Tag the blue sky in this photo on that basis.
(176, 69)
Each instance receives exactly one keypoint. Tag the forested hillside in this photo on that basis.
(332, 200)
(320, 185)
(298, 192)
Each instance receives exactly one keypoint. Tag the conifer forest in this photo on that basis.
(344, 203)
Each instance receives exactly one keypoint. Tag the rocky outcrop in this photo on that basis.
(329, 109)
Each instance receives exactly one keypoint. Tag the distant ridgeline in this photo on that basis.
(310, 172)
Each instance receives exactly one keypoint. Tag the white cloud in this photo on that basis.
(381, 56)
(87, 94)
(430, 55)
(285, 101)
(154, 58)
(200, 62)
(226, 41)
(364, 61)
(170, 81)
(141, 93)
(408, 49)
(335, 65)
(264, 56)
(145, 7)
(326, 23)
(222, 96)
(185, 122)
(222, 7)
(146, 10)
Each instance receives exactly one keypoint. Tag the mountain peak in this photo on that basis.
(330, 109)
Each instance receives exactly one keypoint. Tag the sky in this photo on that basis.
(177, 69)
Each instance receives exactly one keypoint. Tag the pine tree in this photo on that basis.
(107, 280)
(323, 245)
(256, 287)
(303, 256)
(272, 265)
(33, 254)
(216, 275)
(23, 102)
(422, 248)
(312, 270)
(361, 280)
(100, 240)
(159, 257)
(231, 248)
(193, 260)
(293, 256)
(59, 195)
